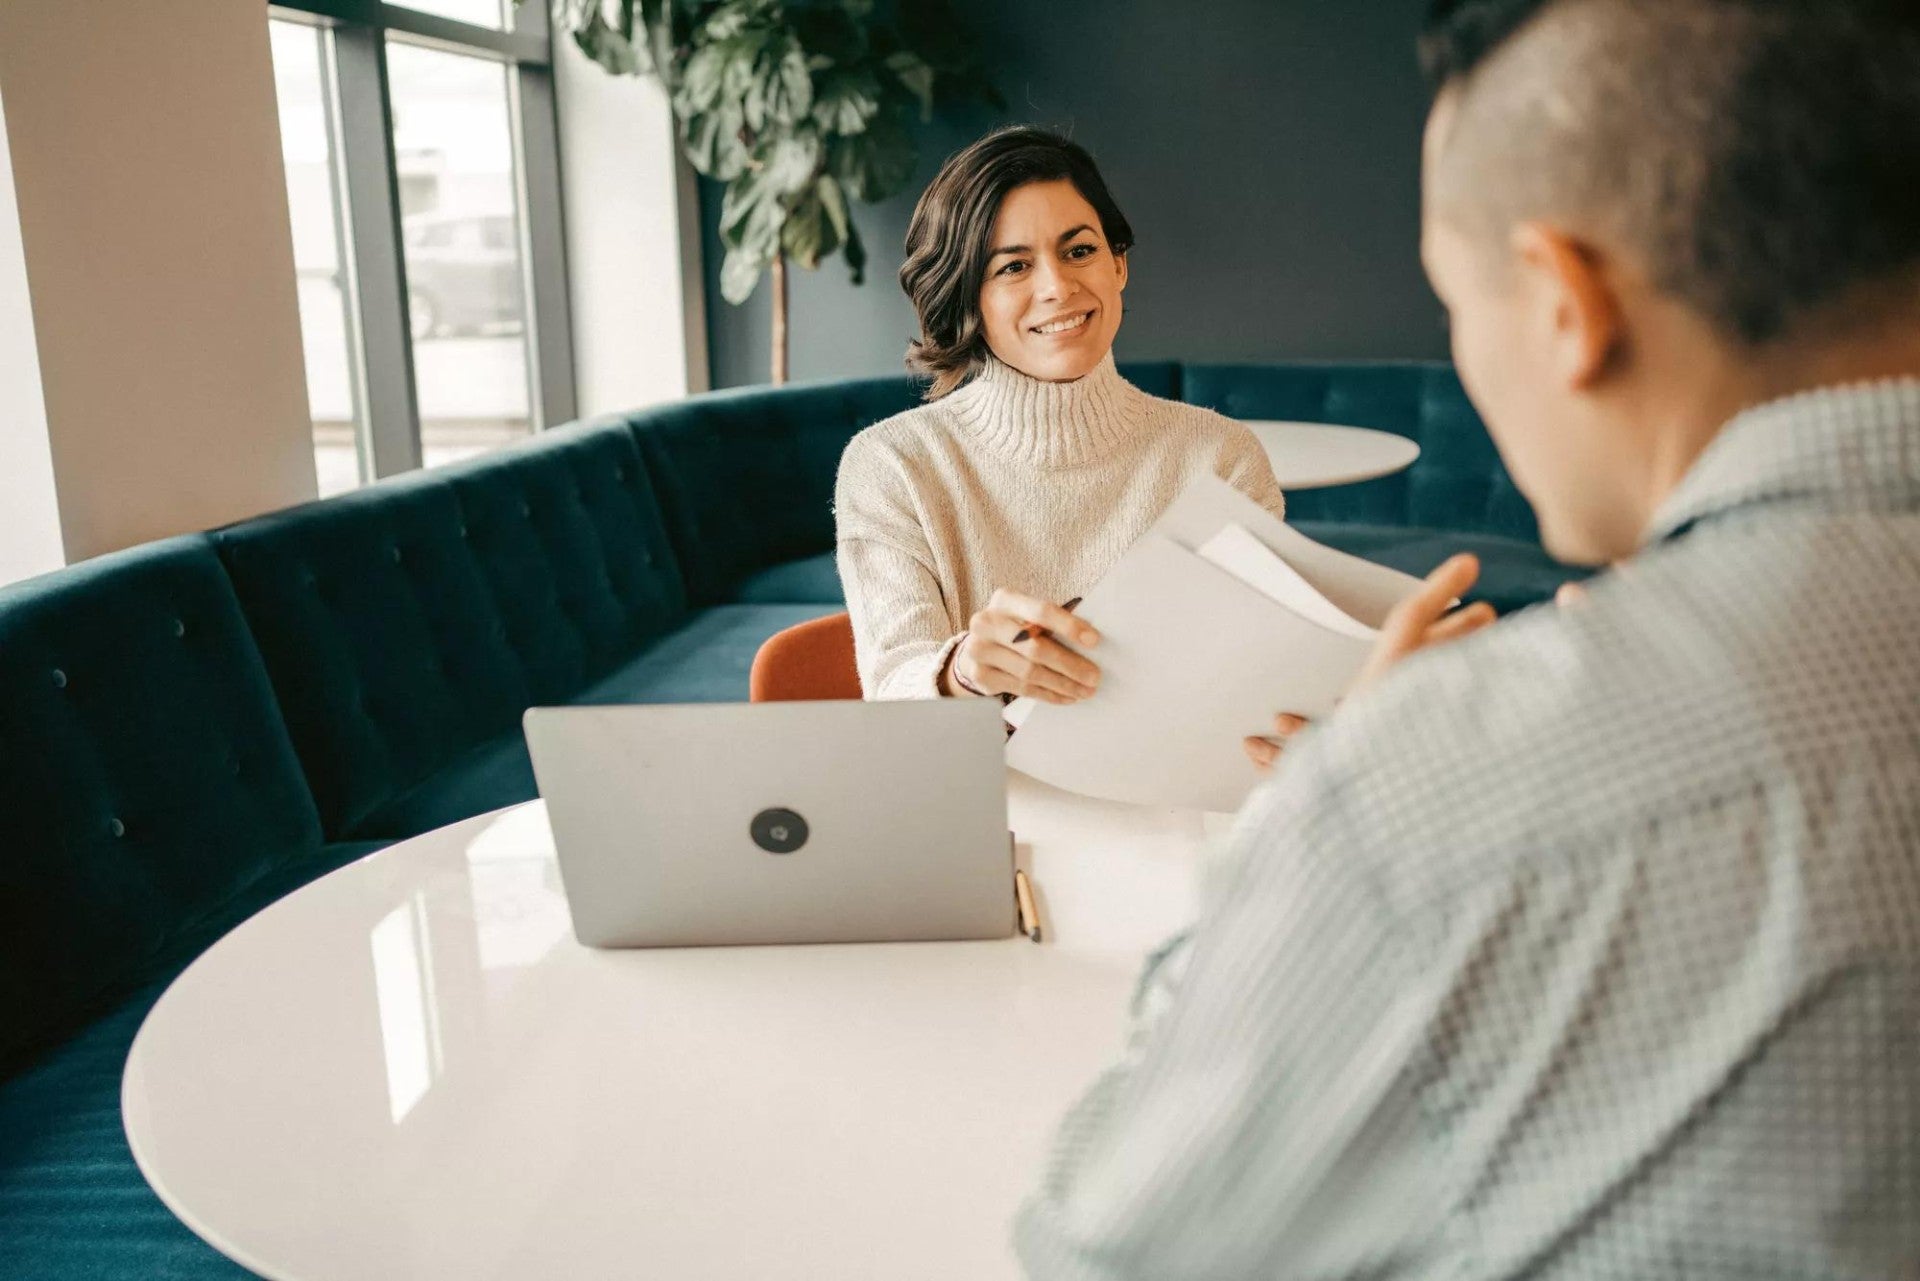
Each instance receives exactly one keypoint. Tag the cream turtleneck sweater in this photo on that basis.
(1010, 482)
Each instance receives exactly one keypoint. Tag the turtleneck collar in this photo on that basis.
(1047, 424)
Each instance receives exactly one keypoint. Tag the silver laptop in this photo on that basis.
(812, 822)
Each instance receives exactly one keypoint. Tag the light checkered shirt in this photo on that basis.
(1586, 947)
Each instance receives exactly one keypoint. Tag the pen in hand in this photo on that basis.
(1027, 633)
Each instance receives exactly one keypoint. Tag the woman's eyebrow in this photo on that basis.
(1064, 237)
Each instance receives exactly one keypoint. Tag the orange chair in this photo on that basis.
(812, 660)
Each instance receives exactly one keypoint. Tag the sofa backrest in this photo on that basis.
(405, 623)
(745, 477)
(146, 778)
(1458, 483)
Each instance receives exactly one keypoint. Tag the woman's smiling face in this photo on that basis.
(1050, 304)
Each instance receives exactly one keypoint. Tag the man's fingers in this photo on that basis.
(1286, 724)
(1260, 752)
(1570, 595)
(1463, 622)
(1410, 619)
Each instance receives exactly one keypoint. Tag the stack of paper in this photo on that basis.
(1219, 617)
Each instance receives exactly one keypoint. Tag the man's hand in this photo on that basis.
(1008, 650)
(1422, 619)
(1263, 752)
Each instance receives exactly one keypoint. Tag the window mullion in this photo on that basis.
(373, 204)
(544, 259)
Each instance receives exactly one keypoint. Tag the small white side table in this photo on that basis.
(1319, 455)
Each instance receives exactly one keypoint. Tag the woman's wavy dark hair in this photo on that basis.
(947, 241)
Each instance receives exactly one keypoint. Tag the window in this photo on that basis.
(482, 13)
(302, 70)
(420, 149)
(453, 135)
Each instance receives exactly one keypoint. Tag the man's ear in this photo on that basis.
(1122, 260)
(1568, 281)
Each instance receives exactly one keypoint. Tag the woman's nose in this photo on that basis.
(1049, 281)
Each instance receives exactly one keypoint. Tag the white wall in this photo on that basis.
(152, 219)
(29, 518)
(633, 240)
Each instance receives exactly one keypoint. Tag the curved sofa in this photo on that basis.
(194, 728)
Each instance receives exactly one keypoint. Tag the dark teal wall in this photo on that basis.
(1266, 152)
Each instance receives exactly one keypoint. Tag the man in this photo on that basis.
(1589, 945)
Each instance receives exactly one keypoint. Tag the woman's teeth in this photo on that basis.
(1061, 326)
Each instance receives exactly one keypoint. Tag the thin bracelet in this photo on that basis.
(953, 667)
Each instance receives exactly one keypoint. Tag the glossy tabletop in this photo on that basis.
(410, 1069)
(1319, 455)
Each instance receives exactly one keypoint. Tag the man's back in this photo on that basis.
(1588, 947)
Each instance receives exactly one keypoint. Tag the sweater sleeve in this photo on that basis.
(1244, 465)
(902, 629)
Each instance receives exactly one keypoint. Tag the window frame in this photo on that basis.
(361, 118)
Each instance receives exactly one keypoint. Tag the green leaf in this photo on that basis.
(712, 143)
(751, 214)
(833, 202)
(856, 254)
(846, 102)
(806, 236)
(790, 162)
(917, 77)
(700, 83)
(609, 48)
(787, 84)
(877, 163)
(739, 273)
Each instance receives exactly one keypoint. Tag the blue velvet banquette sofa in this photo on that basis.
(196, 727)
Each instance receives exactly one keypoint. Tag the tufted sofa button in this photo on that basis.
(464, 531)
(397, 557)
(620, 472)
(647, 558)
(115, 826)
(59, 679)
(179, 628)
(526, 509)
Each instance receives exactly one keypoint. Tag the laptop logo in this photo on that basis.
(778, 831)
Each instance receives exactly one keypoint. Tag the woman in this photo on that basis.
(963, 523)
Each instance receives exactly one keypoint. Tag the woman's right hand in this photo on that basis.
(994, 659)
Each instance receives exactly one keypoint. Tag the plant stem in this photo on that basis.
(779, 319)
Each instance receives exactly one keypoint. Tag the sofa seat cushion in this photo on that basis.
(72, 1202)
(1514, 573)
(146, 779)
(811, 580)
(706, 661)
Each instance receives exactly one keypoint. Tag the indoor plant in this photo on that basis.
(800, 108)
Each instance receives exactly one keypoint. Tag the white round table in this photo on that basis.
(1319, 455)
(409, 1069)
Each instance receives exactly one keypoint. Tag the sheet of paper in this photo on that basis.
(1358, 588)
(1248, 559)
(1193, 659)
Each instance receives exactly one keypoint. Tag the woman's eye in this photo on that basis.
(1078, 252)
(1012, 268)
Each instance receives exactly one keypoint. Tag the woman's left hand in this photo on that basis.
(1265, 752)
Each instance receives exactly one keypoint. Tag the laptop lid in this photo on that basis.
(804, 822)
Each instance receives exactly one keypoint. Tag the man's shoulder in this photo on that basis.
(1556, 727)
